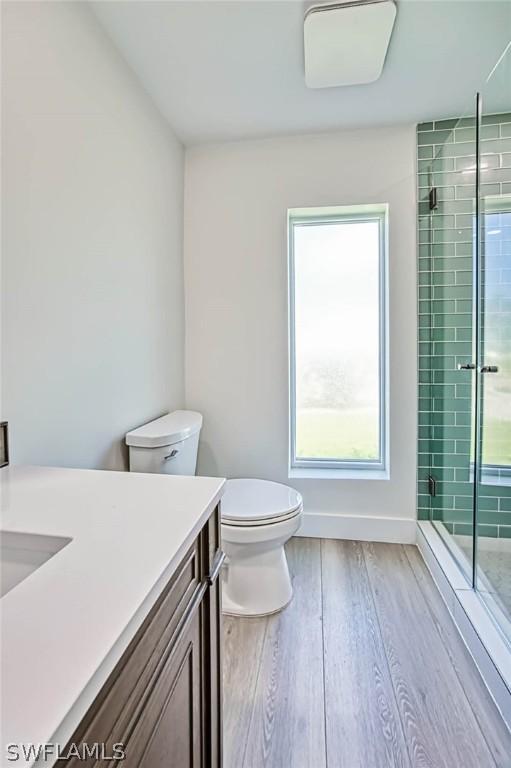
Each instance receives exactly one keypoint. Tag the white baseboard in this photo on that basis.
(325, 525)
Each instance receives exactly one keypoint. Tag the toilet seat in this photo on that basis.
(251, 502)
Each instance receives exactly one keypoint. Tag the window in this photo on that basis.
(495, 391)
(337, 318)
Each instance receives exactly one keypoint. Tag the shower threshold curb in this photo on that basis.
(489, 649)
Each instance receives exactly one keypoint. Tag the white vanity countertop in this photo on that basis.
(67, 624)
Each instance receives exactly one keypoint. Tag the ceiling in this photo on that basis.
(232, 70)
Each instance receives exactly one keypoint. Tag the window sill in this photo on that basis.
(492, 477)
(338, 474)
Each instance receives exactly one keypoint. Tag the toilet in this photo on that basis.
(258, 516)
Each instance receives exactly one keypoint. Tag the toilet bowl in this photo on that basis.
(258, 517)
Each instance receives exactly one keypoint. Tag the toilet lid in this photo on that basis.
(248, 501)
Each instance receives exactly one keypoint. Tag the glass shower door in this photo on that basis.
(447, 243)
(464, 489)
(493, 468)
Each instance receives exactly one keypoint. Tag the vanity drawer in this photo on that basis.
(124, 693)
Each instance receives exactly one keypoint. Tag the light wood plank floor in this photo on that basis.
(364, 669)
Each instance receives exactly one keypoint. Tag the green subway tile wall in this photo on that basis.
(446, 160)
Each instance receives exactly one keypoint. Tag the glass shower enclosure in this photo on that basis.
(464, 484)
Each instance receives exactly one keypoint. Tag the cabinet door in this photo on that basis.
(168, 732)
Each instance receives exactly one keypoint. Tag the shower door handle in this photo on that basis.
(490, 369)
(466, 366)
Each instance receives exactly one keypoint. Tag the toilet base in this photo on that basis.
(255, 584)
(234, 610)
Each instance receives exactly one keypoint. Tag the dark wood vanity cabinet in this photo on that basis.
(168, 732)
(163, 701)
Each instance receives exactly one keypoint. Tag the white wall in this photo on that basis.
(92, 189)
(236, 199)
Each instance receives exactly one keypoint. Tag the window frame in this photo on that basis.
(355, 468)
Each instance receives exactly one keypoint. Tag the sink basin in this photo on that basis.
(23, 553)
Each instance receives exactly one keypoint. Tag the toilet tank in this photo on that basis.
(167, 445)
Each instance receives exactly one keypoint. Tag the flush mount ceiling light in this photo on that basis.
(346, 42)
